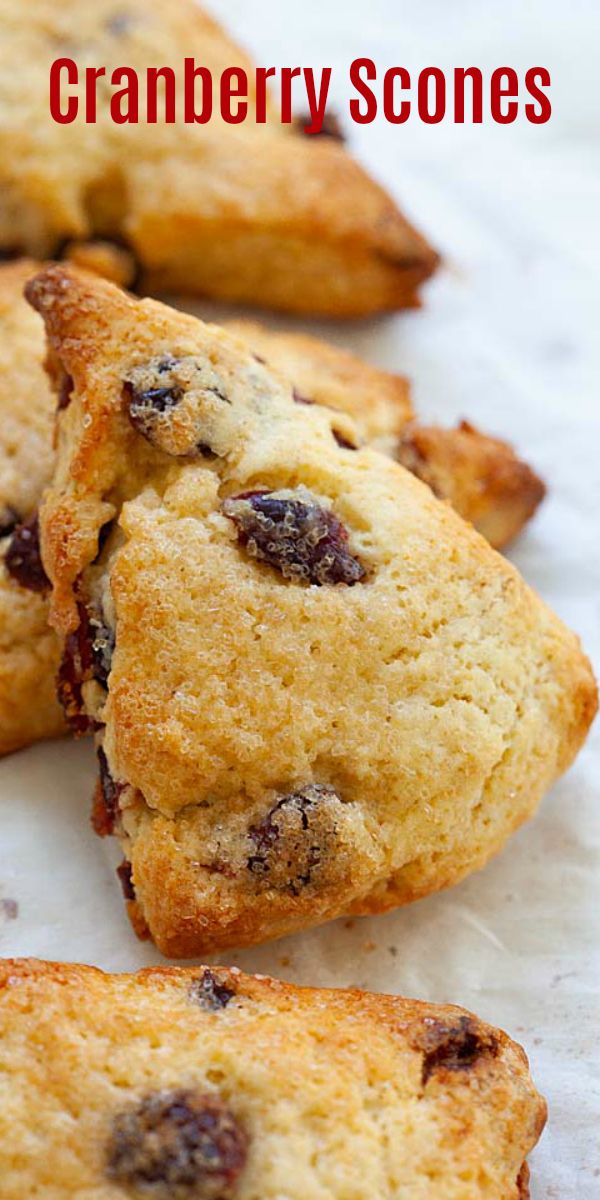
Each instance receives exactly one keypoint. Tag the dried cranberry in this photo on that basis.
(343, 441)
(125, 873)
(23, 558)
(290, 840)
(291, 531)
(87, 655)
(209, 993)
(155, 389)
(178, 1143)
(76, 668)
(298, 398)
(65, 392)
(106, 801)
(9, 520)
(452, 1047)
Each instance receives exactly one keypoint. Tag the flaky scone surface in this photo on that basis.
(253, 212)
(207, 1082)
(318, 690)
(29, 649)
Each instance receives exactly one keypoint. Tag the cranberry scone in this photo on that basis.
(481, 476)
(316, 690)
(256, 212)
(378, 401)
(208, 1084)
(29, 649)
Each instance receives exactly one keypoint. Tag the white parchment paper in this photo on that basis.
(508, 337)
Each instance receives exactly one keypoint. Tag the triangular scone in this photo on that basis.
(29, 650)
(259, 213)
(317, 689)
(481, 476)
(378, 401)
(207, 1083)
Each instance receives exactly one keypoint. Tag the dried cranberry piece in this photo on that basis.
(154, 389)
(65, 392)
(9, 520)
(343, 441)
(125, 874)
(292, 532)
(23, 557)
(144, 404)
(178, 1143)
(289, 841)
(76, 668)
(106, 801)
(209, 993)
(299, 398)
(452, 1047)
(87, 655)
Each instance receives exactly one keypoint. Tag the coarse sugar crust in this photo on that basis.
(338, 1093)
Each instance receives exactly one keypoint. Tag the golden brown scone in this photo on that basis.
(318, 689)
(378, 401)
(258, 213)
(29, 650)
(207, 1083)
(482, 477)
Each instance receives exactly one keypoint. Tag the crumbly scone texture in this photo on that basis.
(253, 212)
(29, 649)
(482, 477)
(311, 1094)
(325, 693)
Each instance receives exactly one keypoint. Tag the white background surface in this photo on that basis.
(509, 337)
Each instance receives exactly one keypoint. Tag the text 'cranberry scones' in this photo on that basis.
(497, 491)
(208, 1084)
(316, 689)
(256, 212)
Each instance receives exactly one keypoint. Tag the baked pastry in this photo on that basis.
(317, 690)
(481, 476)
(379, 403)
(255, 212)
(29, 650)
(206, 1083)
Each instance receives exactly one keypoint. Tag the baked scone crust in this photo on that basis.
(338, 1093)
(481, 476)
(258, 213)
(379, 403)
(29, 649)
(433, 702)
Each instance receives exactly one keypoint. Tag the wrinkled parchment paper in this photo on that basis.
(508, 337)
